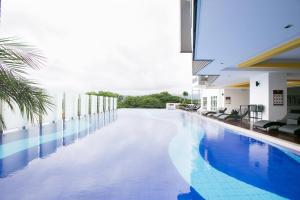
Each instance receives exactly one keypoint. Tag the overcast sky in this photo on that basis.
(127, 46)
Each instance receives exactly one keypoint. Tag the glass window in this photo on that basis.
(204, 102)
(213, 102)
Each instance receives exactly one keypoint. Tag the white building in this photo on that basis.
(254, 61)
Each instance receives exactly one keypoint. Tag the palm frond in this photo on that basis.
(16, 58)
(15, 90)
(31, 100)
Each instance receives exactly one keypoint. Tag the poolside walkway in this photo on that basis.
(287, 140)
(274, 133)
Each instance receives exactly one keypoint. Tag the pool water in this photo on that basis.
(144, 154)
(222, 164)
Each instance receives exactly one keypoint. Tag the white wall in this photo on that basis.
(116, 104)
(209, 93)
(106, 99)
(71, 106)
(238, 97)
(101, 104)
(112, 103)
(263, 94)
(277, 81)
(52, 114)
(94, 104)
(13, 119)
(84, 104)
(58, 106)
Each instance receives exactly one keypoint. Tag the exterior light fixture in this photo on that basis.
(288, 26)
(257, 83)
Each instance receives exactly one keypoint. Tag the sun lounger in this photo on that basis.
(264, 124)
(217, 115)
(233, 116)
(194, 108)
(187, 107)
(210, 112)
(292, 127)
(205, 113)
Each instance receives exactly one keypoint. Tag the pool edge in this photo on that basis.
(259, 136)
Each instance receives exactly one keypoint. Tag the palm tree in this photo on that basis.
(16, 90)
(185, 94)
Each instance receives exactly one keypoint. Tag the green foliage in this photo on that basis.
(15, 89)
(148, 101)
(185, 94)
(104, 94)
(108, 94)
(158, 100)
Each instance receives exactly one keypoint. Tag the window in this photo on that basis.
(195, 80)
(204, 102)
(213, 102)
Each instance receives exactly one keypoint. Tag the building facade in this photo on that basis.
(244, 56)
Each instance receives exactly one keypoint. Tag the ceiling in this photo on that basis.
(234, 32)
(293, 54)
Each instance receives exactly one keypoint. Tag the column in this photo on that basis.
(265, 86)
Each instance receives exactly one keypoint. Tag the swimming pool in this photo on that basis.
(144, 154)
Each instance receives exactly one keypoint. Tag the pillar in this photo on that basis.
(262, 89)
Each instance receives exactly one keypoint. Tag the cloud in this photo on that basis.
(127, 46)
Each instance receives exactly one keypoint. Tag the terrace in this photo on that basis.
(64, 136)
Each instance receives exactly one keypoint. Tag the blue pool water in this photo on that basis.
(144, 154)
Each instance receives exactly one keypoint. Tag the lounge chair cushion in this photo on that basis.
(217, 115)
(224, 116)
(293, 116)
(292, 129)
(292, 121)
(205, 113)
(266, 124)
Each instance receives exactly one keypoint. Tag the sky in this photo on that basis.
(127, 46)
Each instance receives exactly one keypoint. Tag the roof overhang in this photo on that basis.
(197, 65)
(186, 26)
(258, 36)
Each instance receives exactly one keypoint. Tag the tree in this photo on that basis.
(15, 89)
(158, 100)
(185, 94)
(104, 94)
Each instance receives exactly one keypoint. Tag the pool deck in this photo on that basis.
(291, 142)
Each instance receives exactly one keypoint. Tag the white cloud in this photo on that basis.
(128, 46)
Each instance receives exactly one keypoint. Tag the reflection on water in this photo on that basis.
(23, 146)
(191, 195)
(254, 162)
(219, 162)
